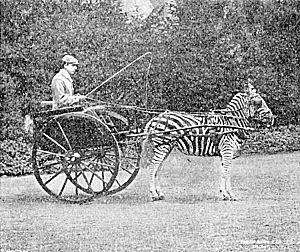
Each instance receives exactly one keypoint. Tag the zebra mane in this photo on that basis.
(238, 106)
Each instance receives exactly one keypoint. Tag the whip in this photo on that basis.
(114, 75)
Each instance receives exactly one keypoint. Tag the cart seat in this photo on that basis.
(48, 111)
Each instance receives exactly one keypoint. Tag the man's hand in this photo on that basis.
(77, 98)
(80, 97)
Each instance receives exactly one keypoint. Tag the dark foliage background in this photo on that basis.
(206, 55)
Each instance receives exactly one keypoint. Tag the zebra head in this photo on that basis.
(258, 108)
(251, 106)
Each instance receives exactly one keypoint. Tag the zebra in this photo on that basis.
(220, 133)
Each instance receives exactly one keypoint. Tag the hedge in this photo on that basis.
(16, 156)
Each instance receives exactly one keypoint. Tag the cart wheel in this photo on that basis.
(130, 157)
(75, 157)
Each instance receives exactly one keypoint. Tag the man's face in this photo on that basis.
(71, 68)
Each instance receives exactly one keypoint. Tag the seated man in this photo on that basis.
(62, 84)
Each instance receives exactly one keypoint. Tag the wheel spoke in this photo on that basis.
(89, 155)
(51, 139)
(117, 181)
(77, 175)
(123, 169)
(129, 157)
(47, 166)
(76, 188)
(130, 163)
(97, 163)
(54, 176)
(63, 187)
(109, 159)
(110, 154)
(109, 148)
(95, 156)
(92, 177)
(51, 153)
(103, 180)
(87, 182)
(96, 160)
(64, 134)
(96, 175)
(111, 171)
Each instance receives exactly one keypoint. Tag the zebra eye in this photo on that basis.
(257, 102)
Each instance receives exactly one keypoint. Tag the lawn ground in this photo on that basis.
(192, 218)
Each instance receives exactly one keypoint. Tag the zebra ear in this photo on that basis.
(249, 88)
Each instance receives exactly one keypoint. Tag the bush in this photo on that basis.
(15, 157)
(283, 139)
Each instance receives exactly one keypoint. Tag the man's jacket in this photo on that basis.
(62, 89)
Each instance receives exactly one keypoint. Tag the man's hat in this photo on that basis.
(70, 60)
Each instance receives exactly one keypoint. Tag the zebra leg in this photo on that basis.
(160, 154)
(155, 191)
(226, 165)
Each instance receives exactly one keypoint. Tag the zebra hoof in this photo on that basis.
(228, 197)
(233, 198)
(161, 197)
(225, 198)
(154, 198)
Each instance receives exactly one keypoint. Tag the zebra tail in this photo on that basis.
(147, 151)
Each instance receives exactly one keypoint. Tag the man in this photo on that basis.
(62, 84)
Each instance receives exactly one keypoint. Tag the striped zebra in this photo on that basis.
(213, 134)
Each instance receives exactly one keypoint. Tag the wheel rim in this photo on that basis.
(75, 158)
(130, 156)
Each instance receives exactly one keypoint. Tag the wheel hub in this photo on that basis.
(73, 158)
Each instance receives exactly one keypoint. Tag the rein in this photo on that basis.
(221, 113)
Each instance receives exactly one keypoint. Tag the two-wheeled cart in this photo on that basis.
(80, 153)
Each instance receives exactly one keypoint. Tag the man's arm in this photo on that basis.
(61, 98)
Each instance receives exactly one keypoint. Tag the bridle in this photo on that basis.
(251, 105)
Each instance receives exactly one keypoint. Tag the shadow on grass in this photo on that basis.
(130, 199)
(38, 199)
(29, 199)
(124, 198)
(136, 199)
(194, 199)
